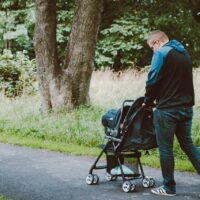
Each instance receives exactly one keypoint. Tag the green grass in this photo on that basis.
(180, 164)
(77, 132)
(50, 145)
(80, 126)
(149, 160)
(3, 198)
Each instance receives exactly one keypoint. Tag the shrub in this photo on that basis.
(17, 73)
(126, 35)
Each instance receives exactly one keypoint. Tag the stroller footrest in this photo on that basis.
(100, 167)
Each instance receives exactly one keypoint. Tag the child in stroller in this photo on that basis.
(128, 130)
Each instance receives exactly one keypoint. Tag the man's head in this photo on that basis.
(157, 39)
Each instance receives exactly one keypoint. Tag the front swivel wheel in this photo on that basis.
(128, 186)
(148, 182)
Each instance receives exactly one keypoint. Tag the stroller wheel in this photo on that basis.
(114, 178)
(95, 179)
(128, 186)
(133, 186)
(90, 179)
(110, 177)
(152, 182)
(147, 182)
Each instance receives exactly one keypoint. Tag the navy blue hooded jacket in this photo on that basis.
(170, 80)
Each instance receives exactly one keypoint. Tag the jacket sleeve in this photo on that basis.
(154, 76)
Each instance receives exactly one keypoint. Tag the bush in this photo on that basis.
(127, 33)
(17, 74)
(127, 36)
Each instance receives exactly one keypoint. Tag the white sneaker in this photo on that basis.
(162, 191)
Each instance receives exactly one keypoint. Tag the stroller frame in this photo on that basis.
(128, 179)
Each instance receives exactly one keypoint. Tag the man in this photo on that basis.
(170, 83)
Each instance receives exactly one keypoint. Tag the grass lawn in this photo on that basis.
(149, 160)
(3, 198)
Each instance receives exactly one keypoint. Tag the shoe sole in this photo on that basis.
(163, 194)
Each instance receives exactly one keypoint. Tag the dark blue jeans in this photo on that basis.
(169, 122)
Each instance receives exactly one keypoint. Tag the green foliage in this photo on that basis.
(20, 30)
(126, 35)
(177, 21)
(64, 19)
(16, 74)
(4, 198)
(127, 32)
(17, 25)
(124, 27)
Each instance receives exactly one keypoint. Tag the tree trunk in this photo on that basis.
(45, 50)
(81, 47)
(66, 87)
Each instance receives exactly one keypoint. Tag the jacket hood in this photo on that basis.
(176, 45)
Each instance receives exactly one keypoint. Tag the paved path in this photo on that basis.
(27, 174)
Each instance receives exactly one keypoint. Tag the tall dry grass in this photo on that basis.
(109, 90)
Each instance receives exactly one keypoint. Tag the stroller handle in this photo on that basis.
(127, 101)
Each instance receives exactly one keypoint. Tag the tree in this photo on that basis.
(67, 86)
(16, 27)
(125, 29)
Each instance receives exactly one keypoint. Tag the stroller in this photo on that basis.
(128, 130)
